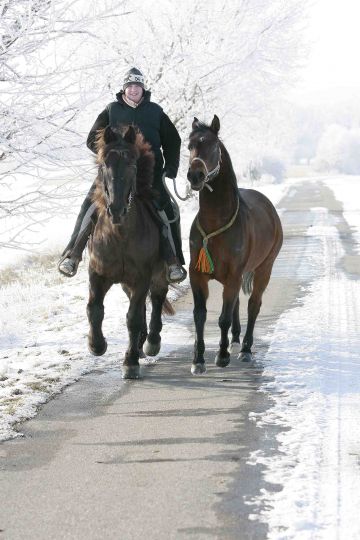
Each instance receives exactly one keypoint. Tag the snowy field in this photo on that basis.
(312, 362)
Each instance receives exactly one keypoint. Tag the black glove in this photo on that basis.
(169, 174)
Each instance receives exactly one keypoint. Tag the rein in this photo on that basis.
(205, 263)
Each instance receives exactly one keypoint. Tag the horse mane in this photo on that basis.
(145, 161)
(145, 168)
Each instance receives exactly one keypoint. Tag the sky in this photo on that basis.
(332, 70)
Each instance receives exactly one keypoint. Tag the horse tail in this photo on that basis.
(168, 308)
(247, 282)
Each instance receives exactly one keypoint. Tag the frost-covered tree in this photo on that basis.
(233, 58)
(48, 75)
(61, 62)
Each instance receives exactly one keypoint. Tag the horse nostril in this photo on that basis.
(116, 214)
(196, 176)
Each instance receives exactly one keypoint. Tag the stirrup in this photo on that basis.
(68, 266)
(176, 273)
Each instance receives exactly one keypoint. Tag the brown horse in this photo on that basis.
(234, 239)
(125, 244)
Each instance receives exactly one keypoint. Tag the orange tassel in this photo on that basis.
(204, 263)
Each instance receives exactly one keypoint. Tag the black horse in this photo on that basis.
(125, 244)
(234, 239)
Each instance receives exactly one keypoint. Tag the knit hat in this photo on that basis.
(133, 76)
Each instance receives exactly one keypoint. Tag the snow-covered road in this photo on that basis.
(313, 369)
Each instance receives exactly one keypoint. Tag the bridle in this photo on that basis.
(210, 175)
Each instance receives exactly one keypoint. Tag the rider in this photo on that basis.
(133, 106)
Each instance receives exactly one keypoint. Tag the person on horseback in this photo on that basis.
(133, 106)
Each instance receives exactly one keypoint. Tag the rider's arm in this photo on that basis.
(170, 142)
(101, 122)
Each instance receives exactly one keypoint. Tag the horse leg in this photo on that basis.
(134, 321)
(153, 341)
(261, 279)
(230, 296)
(98, 287)
(143, 332)
(235, 329)
(200, 290)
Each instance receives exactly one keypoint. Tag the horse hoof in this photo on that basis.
(221, 361)
(234, 347)
(98, 351)
(245, 356)
(152, 349)
(198, 369)
(130, 372)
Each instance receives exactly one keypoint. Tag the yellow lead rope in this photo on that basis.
(205, 263)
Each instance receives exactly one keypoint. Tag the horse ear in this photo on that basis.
(130, 135)
(195, 123)
(215, 124)
(109, 135)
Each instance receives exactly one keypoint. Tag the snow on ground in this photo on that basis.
(347, 190)
(314, 372)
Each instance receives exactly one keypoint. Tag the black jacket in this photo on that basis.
(154, 124)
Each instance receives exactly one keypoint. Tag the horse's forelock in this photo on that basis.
(103, 148)
(201, 127)
(144, 155)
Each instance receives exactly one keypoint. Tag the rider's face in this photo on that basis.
(134, 92)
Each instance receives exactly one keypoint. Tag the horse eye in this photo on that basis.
(202, 139)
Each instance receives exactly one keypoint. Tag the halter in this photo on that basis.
(210, 175)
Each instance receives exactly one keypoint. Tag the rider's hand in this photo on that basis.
(169, 174)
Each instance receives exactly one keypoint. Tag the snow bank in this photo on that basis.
(313, 370)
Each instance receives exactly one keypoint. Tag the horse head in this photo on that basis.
(205, 153)
(118, 169)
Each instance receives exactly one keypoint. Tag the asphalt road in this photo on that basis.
(167, 456)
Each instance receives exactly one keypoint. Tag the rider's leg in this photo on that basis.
(69, 262)
(175, 232)
(72, 254)
(84, 208)
(171, 247)
(172, 252)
